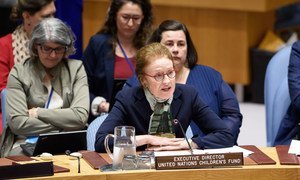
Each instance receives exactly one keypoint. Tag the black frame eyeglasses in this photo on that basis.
(161, 76)
(48, 50)
(136, 19)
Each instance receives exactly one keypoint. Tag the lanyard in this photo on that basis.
(49, 98)
(128, 61)
(33, 139)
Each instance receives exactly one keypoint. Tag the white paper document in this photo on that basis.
(233, 149)
(294, 147)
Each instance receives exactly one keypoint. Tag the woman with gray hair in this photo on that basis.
(47, 92)
(14, 46)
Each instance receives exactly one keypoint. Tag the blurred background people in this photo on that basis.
(289, 128)
(6, 25)
(14, 46)
(109, 58)
(47, 92)
(212, 89)
(137, 107)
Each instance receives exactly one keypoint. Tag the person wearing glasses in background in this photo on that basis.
(109, 58)
(47, 92)
(137, 107)
(14, 46)
(213, 90)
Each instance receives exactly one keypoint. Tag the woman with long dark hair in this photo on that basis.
(109, 58)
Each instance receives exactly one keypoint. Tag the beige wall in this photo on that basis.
(222, 30)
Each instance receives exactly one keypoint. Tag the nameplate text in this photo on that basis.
(198, 161)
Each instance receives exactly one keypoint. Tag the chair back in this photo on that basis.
(276, 92)
(92, 130)
(3, 108)
(189, 133)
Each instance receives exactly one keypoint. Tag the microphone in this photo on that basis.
(76, 155)
(175, 121)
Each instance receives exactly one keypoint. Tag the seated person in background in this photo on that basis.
(138, 107)
(212, 89)
(14, 46)
(47, 92)
(109, 58)
(289, 127)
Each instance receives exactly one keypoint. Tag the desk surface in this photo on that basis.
(256, 172)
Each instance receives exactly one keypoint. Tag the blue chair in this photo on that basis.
(94, 126)
(3, 107)
(276, 92)
(189, 133)
(92, 130)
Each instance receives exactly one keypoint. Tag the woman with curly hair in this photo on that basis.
(109, 58)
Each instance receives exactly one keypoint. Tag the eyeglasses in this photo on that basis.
(48, 50)
(136, 19)
(161, 76)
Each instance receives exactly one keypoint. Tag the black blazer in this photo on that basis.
(132, 108)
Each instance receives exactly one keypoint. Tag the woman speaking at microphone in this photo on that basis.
(151, 108)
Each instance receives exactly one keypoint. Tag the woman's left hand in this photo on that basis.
(157, 143)
(33, 112)
(179, 144)
(103, 106)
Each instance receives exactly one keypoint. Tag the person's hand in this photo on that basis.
(157, 143)
(174, 144)
(33, 112)
(103, 107)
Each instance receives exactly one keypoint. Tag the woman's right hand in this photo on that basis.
(103, 106)
(33, 112)
(157, 141)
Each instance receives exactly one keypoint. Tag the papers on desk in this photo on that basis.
(233, 149)
(294, 147)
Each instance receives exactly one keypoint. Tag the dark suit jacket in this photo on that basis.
(132, 108)
(98, 60)
(289, 125)
(216, 93)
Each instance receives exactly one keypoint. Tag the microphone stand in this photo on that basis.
(78, 159)
(77, 155)
(190, 147)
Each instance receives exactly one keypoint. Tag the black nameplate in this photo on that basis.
(26, 170)
(198, 161)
